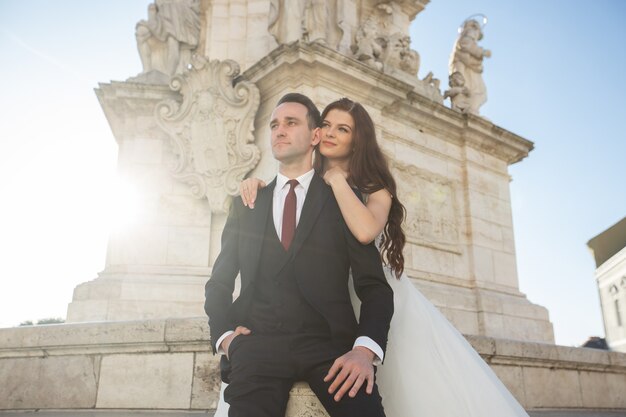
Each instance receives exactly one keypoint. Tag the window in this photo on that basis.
(618, 313)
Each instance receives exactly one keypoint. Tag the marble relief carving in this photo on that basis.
(432, 209)
(211, 131)
(398, 54)
(379, 48)
(374, 42)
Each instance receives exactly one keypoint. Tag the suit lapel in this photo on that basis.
(258, 223)
(315, 199)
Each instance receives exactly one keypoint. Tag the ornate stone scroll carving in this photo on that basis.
(167, 39)
(211, 131)
(430, 200)
(467, 59)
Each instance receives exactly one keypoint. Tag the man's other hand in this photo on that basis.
(350, 371)
(228, 339)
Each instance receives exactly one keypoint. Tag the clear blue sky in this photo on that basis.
(555, 77)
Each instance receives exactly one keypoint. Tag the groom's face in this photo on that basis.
(292, 139)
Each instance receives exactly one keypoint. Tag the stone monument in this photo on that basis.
(194, 123)
(188, 144)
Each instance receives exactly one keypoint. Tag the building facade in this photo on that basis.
(609, 250)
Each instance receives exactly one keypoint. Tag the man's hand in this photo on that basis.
(228, 339)
(350, 372)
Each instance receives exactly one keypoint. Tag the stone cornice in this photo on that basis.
(119, 97)
(458, 128)
(326, 63)
(413, 7)
(483, 135)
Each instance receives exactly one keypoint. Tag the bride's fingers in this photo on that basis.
(243, 191)
(254, 191)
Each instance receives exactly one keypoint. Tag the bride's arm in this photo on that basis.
(365, 221)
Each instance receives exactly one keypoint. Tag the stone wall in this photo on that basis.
(167, 364)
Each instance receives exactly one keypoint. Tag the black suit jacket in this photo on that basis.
(324, 251)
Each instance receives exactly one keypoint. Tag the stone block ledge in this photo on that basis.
(158, 335)
(167, 365)
(504, 351)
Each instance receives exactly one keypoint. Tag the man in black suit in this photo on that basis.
(293, 319)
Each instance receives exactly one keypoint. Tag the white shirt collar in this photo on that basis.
(304, 180)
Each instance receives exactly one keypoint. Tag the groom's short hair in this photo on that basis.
(313, 114)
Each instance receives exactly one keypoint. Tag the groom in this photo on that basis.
(293, 320)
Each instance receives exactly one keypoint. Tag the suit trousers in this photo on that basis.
(265, 366)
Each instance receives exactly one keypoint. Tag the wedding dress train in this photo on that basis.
(430, 369)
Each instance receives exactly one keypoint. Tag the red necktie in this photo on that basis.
(289, 215)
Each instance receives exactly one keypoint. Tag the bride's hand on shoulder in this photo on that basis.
(335, 174)
(248, 190)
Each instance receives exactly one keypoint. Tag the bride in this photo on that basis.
(429, 369)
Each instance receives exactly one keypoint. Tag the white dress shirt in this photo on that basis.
(280, 193)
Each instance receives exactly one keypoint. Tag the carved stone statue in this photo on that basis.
(431, 80)
(308, 20)
(368, 48)
(380, 49)
(286, 20)
(467, 59)
(316, 16)
(211, 130)
(460, 96)
(399, 54)
(166, 40)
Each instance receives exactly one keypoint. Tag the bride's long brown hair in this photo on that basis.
(369, 172)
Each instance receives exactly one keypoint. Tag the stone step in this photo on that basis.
(182, 413)
(105, 413)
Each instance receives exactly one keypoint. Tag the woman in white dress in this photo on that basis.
(429, 368)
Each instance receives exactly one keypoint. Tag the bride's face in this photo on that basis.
(337, 139)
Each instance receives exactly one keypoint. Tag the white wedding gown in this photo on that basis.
(429, 368)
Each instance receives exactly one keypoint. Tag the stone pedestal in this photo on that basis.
(157, 264)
